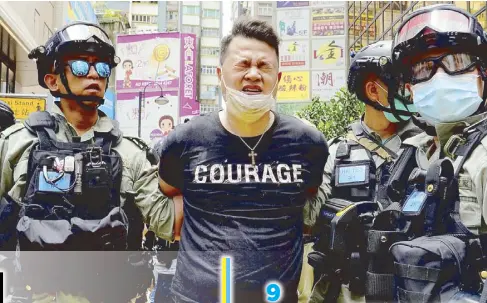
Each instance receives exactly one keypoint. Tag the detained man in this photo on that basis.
(245, 173)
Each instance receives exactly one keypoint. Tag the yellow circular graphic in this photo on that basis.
(161, 52)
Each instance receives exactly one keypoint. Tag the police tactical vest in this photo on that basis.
(355, 177)
(358, 183)
(435, 257)
(72, 201)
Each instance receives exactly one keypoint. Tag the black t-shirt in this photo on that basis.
(253, 214)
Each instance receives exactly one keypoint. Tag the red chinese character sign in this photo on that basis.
(326, 83)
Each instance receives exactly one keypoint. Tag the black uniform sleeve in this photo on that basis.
(318, 155)
(171, 166)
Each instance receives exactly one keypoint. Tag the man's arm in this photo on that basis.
(175, 194)
(178, 216)
(158, 210)
(15, 146)
(169, 190)
(317, 200)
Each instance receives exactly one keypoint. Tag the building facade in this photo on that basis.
(262, 10)
(201, 18)
(371, 21)
(318, 36)
(26, 25)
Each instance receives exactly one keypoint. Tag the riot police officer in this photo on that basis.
(440, 51)
(7, 117)
(372, 146)
(77, 183)
(444, 64)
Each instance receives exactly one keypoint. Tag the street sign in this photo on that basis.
(24, 105)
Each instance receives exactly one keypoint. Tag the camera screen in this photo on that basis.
(352, 174)
(415, 202)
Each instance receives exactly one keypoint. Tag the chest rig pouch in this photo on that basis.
(72, 200)
(353, 180)
(433, 209)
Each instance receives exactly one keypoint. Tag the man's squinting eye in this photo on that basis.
(244, 63)
(265, 65)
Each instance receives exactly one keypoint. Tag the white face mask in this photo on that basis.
(248, 108)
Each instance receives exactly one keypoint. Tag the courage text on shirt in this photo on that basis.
(247, 173)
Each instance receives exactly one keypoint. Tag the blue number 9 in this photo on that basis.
(273, 292)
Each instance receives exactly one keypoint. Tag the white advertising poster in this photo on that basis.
(294, 55)
(156, 120)
(325, 83)
(293, 23)
(328, 53)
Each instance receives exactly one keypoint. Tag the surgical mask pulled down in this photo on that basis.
(398, 104)
(249, 108)
(446, 98)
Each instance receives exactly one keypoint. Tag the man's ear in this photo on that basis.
(219, 73)
(371, 91)
(409, 87)
(51, 82)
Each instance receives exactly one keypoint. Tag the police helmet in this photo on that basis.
(75, 38)
(435, 26)
(7, 117)
(438, 26)
(376, 59)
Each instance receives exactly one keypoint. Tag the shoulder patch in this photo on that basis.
(12, 130)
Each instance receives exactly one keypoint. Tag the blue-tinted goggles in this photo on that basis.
(81, 68)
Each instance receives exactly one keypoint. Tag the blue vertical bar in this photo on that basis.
(229, 297)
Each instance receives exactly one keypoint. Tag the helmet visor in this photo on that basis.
(443, 20)
(84, 32)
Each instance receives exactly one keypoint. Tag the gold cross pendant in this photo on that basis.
(252, 154)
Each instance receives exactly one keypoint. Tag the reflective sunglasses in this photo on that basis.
(452, 64)
(81, 68)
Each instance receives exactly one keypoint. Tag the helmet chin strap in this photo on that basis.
(78, 99)
(392, 109)
(380, 107)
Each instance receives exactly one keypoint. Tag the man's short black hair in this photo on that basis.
(253, 29)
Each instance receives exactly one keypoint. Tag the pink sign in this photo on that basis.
(188, 104)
